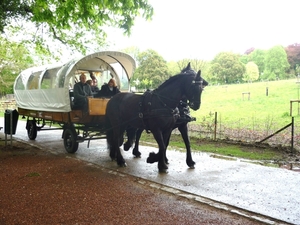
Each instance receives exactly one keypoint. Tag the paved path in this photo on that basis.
(273, 192)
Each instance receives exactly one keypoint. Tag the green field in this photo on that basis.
(231, 106)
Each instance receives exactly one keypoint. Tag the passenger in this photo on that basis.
(89, 82)
(110, 89)
(94, 84)
(82, 91)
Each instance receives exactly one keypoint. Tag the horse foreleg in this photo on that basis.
(162, 166)
(184, 133)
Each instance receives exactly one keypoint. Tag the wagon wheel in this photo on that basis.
(31, 129)
(70, 143)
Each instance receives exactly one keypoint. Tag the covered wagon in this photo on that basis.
(44, 95)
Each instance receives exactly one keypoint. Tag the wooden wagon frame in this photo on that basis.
(44, 96)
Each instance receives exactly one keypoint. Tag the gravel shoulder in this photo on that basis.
(38, 187)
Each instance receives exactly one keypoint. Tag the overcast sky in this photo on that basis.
(203, 28)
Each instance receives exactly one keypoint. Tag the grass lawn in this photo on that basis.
(231, 106)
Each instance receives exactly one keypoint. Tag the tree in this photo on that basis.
(151, 67)
(293, 56)
(244, 59)
(14, 57)
(226, 68)
(252, 72)
(77, 24)
(276, 64)
(258, 57)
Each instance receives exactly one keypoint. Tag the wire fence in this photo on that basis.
(248, 132)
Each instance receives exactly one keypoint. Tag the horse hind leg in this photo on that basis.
(167, 141)
(135, 150)
(130, 133)
(110, 141)
(115, 155)
(120, 160)
(115, 152)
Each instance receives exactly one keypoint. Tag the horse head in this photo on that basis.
(194, 90)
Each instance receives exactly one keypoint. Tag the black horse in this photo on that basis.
(181, 124)
(155, 111)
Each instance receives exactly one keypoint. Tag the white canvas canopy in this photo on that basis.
(47, 88)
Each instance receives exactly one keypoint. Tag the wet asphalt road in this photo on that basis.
(273, 192)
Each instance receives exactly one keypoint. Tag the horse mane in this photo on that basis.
(175, 78)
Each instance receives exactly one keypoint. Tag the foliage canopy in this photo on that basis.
(252, 73)
(152, 69)
(293, 55)
(276, 63)
(14, 58)
(227, 68)
(69, 22)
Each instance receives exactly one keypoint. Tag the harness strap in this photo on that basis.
(147, 112)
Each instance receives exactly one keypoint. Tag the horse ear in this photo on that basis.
(188, 67)
(198, 76)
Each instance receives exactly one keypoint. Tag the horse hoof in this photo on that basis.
(163, 170)
(126, 146)
(152, 158)
(191, 165)
(136, 154)
(122, 164)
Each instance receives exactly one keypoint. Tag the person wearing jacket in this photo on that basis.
(110, 89)
(82, 91)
